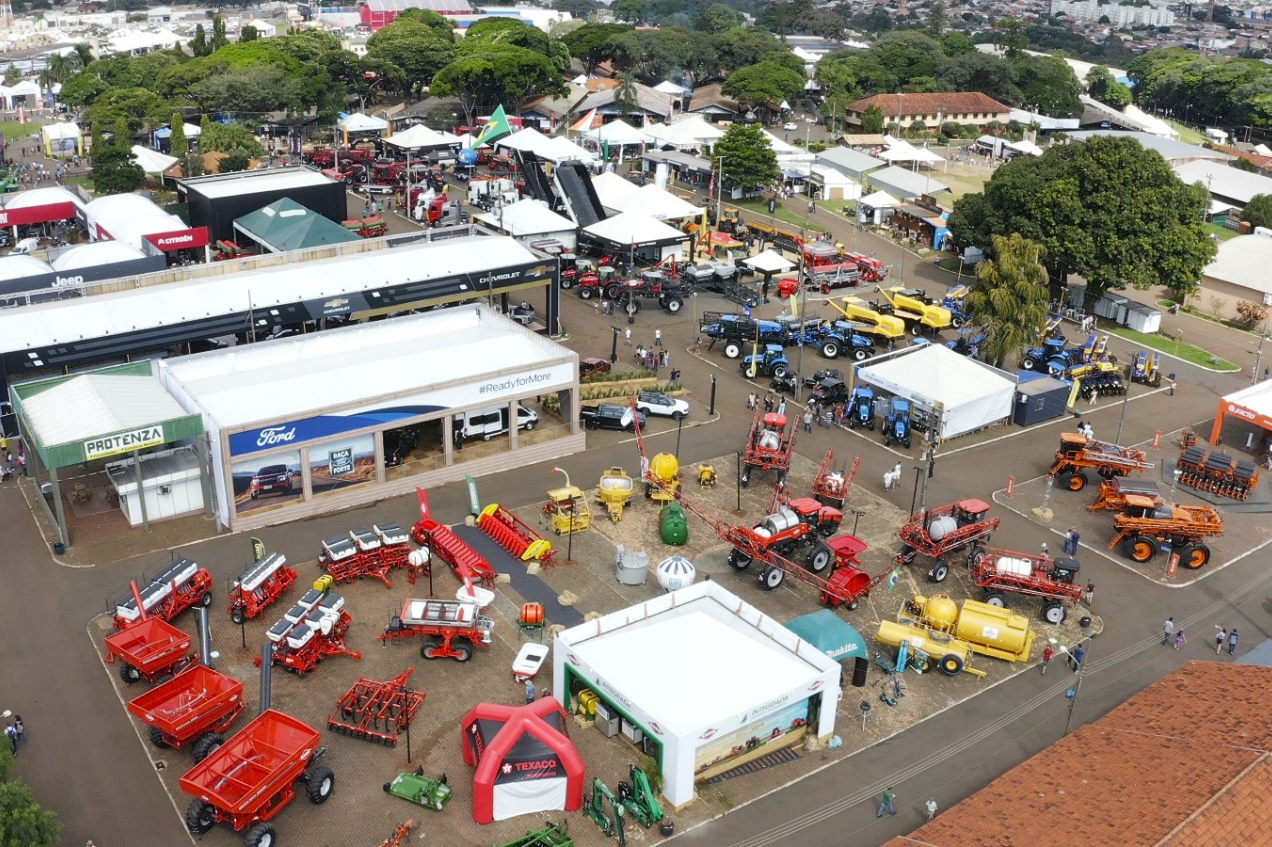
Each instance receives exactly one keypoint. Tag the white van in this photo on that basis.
(488, 423)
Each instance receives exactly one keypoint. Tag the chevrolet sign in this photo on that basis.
(124, 442)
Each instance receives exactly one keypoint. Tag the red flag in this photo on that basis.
(423, 498)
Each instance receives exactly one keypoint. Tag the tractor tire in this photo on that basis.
(585, 292)
(861, 355)
(205, 745)
(1139, 548)
(1054, 613)
(939, 571)
(319, 783)
(674, 305)
(1075, 481)
(238, 616)
(771, 578)
(951, 665)
(128, 673)
(260, 835)
(463, 652)
(820, 558)
(906, 554)
(916, 329)
(200, 817)
(751, 371)
(975, 555)
(427, 648)
(906, 443)
(612, 292)
(887, 438)
(206, 600)
(830, 349)
(738, 560)
(1194, 556)
(632, 307)
(1029, 364)
(996, 598)
(871, 425)
(732, 350)
(956, 323)
(156, 737)
(780, 371)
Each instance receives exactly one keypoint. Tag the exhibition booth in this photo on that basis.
(324, 421)
(721, 683)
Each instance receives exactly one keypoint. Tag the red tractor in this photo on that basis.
(650, 285)
(248, 780)
(769, 446)
(1006, 571)
(938, 532)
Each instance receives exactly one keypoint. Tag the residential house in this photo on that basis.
(709, 102)
(649, 104)
(971, 108)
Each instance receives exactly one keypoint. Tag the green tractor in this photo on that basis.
(420, 789)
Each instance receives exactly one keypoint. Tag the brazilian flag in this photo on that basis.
(496, 128)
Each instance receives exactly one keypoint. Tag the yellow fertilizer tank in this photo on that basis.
(949, 655)
(665, 468)
(990, 630)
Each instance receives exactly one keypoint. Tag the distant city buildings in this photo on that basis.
(1118, 15)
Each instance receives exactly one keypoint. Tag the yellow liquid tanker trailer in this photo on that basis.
(990, 630)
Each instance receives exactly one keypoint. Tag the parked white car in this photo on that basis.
(790, 126)
(658, 403)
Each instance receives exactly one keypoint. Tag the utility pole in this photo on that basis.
(719, 190)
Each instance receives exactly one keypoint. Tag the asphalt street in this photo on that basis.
(85, 761)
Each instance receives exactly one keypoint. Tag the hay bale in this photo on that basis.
(502, 579)
(533, 568)
(591, 616)
(1044, 515)
(555, 629)
(567, 598)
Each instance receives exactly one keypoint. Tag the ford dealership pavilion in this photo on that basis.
(315, 423)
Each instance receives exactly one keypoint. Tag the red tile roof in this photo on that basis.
(1184, 762)
(946, 103)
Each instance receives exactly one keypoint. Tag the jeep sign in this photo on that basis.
(124, 442)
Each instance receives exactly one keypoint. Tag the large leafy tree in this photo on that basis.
(717, 18)
(180, 146)
(493, 33)
(749, 160)
(981, 72)
(1105, 208)
(767, 81)
(1009, 301)
(115, 170)
(230, 138)
(414, 48)
(1258, 211)
(504, 75)
(1048, 83)
(590, 43)
(741, 46)
(22, 821)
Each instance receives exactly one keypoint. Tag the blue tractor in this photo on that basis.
(953, 300)
(842, 339)
(896, 424)
(861, 408)
(771, 361)
(967, 343)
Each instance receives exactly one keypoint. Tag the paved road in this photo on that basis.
(84, 760)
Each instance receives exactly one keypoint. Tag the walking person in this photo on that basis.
(1168, 631)
(1221, 635)
(529, 691)
(886, 805)
(1180, 640)
(1171, 391)
(1088, 594)
(808, 421)
(1232, 641)
(1047, 655)
(781, 407)
(1046, 552)
(931, 808)
(658, 338)
(1068, 542)
(1079, 654)
(627, 336)
(19, 728)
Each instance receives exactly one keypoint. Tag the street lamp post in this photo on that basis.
(719, 190)
(1126, 398)
(1072, 693)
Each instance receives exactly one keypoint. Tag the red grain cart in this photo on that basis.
(252, 777)
(264, 582)
(937, 532)
(168, 594)
(193, 708)
(149, 649)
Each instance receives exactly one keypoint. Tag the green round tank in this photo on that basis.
(672, 524)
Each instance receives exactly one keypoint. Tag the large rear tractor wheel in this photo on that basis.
(861, 354)
(205, 746)
(1194, 556)
(830, 349)
(779, 371)
(939, 571)
(200, 817)
(820, 558)
(751, 371)
(260, 835)
(585, 293)
(1054, 613)
(319, 783)
(771, 578)
(1139, 548)
(674, 304)
(951, 665)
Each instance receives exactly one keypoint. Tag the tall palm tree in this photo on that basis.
(83, 53)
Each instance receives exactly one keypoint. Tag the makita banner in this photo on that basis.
(38, 214)
(182, 239)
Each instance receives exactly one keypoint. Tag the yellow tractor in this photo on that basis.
(567, 510)
(614, 490)
(915, 308)
(868, 319)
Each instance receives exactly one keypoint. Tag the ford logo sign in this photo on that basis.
(275, 435)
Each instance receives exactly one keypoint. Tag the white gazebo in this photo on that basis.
(530, 217)
(659, 203)
(618, 132)
(62, 139)
(421, 137)
(633, 230)
(615, 193)
(152, 161)
(360, 124)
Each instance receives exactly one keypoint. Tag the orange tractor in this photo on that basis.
(1078, 453)
(1145, 524)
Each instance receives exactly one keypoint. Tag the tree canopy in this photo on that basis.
(749, 160)
(767, 81)
(504, 75)
(1105, 208)
(1223, 90)
(1009, 301)
(1258, 211)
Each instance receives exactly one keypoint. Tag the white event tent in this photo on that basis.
(152, 161)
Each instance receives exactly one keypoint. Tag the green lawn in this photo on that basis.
(13, 130)
(1222, 231)
(759, 211)
(1187, 134)
(1188, 352)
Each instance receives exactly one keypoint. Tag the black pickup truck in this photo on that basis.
(611, 416)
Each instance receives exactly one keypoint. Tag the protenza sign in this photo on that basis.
(124, 442)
